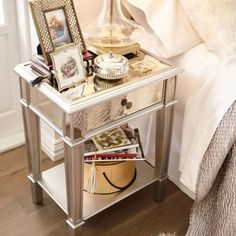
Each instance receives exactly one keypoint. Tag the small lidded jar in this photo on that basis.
(111, 66)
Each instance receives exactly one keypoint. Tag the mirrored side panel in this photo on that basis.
(47, 110)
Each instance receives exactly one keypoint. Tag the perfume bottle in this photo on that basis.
(111, 28)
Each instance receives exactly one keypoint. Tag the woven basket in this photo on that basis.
(110, 177)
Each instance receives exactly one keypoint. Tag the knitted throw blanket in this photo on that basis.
(214, 210)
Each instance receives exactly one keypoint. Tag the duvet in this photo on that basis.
(214, 210)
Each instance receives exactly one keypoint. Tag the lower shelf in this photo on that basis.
(53, 182)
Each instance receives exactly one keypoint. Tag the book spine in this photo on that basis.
(89, 70)
(40, 63)
(40, 70)
(88, 63)
(137, 136)
(94, 159)
(128, 132)
(38, 79)
(107, 155)
(112, 157)
(88, 60)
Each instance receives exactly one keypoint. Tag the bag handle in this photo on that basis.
(117, 187)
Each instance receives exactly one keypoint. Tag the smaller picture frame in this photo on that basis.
(68, 67)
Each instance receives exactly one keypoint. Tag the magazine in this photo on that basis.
(115, 156)
(91, 149)
(130, 152)
(111, 139)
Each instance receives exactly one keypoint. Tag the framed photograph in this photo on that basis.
(57, 25)
(68, 66)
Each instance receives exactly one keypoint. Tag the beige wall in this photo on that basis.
(87, 10)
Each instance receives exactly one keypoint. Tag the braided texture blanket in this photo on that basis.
(214, 210)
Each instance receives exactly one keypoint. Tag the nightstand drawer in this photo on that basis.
(120, 106)
(143, 98)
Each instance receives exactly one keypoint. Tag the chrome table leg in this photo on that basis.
(164, 124)
(74, 183)
(32, 139)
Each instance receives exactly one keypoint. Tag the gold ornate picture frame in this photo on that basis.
(68, 66)
(57, 25)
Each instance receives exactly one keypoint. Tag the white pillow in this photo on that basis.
(167, 21)
(215, 22)
(148, 39)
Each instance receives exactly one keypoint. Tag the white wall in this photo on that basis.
(11, 128)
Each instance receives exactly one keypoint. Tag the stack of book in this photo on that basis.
(114, 145)
(40, 69)
(88, 58)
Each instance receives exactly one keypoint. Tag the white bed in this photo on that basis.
(205, 90)
(196, 72)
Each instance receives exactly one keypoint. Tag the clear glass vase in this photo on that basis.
(111, 28)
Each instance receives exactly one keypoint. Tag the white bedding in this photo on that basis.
(196, 72)
(172, 33)
(205, 90)
(204, 111)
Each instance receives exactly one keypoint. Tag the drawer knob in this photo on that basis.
(129, 105)
(124, 102)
